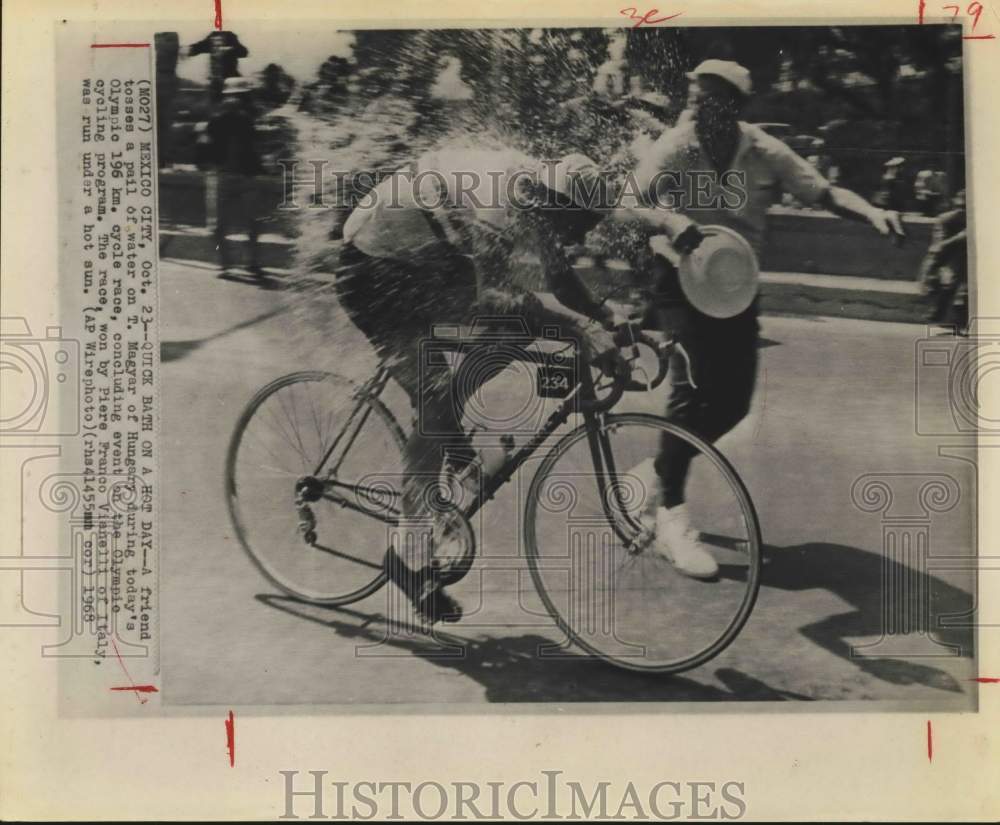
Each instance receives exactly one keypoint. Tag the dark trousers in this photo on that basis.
(723, 356)
(237, 206)
(396, 304)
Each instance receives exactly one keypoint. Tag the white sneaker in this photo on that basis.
(677, 541)
(644, 489)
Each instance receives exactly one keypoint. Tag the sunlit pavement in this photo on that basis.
(835, 401)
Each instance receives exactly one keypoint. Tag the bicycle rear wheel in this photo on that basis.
(312, 484)
(592, 555)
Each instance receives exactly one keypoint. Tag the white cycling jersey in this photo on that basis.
(434, 199)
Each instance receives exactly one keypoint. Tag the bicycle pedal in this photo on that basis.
(645, 537)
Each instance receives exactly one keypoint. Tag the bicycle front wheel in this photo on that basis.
(312, 483)
(593, 553)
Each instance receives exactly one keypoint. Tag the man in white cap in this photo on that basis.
(433, 245)
(744, 170)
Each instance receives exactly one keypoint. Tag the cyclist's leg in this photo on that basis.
(396, 306)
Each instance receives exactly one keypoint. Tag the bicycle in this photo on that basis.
(594, 571)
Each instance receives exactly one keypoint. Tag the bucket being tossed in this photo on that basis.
(721, 276)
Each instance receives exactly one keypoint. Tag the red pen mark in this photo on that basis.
(218, 14)
(976, 10)
(139, 688)
(646, 19)
(119, 45)
(138, 691)
(930, 742)
(231, 739)
(986, 680)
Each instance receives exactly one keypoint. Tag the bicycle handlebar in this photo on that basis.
(625, 336)
(632, 335)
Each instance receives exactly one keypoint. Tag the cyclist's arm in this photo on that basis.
(578, 303)
(658, 220)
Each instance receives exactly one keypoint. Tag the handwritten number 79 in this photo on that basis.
(974, 10)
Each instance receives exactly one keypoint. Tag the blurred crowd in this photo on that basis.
(606, 92)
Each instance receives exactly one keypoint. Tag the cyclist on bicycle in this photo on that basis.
(433, 244)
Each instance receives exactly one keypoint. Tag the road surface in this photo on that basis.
(835, 401)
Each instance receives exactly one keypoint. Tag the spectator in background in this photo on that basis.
(822, 161)
(945, 274)
(167, 48)
(929, 191)
(235, 162)
(891, 193)
(224, 51)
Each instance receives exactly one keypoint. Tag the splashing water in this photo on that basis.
(531, 90)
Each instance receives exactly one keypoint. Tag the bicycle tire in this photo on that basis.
(538, 566)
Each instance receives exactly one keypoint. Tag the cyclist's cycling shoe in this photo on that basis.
(436, 605)
(423, 589)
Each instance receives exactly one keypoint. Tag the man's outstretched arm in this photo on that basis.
(846, 204)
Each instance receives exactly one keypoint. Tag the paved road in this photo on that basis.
(835, 401)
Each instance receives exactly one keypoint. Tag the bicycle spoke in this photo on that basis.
(284, 434)
(295, 429)
(268, 450)
(327, 454)
(315, 417)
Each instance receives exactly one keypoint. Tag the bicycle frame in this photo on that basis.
(582, 399)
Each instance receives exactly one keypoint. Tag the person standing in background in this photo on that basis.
(235, 162)
(929, 192)
(167, 49)
(224, 51)
(891, 193)
(945, 273)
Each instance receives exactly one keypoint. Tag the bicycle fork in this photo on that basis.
(633, 534)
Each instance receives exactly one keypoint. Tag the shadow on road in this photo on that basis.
(176, 350)
(510, 669)
(864, 579)
(263, 281)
